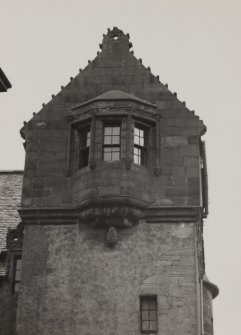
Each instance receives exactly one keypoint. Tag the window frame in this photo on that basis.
(148, 298)
(142, 148)
(84, 150)
(110, 124)
(15, 281)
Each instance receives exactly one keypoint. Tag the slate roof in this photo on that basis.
(10, 198)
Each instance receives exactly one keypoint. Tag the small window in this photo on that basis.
(17, 274)
(111, 146)
(148, 310)
(140, 140)
(84, 143)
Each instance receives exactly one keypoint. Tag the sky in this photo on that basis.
(194, 46)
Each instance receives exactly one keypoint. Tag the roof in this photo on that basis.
(4, 82)
(116, 95)
(10, 197)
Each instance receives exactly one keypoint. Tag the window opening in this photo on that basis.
(84, 144)
(17, 273)
(139, 146)
(148, 314)
(111, 147)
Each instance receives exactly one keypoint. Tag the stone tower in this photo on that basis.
(113, 202)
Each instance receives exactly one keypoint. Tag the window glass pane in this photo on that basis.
(137, 131)
(137, 140)
(88, 139)
(145, 315)
(116, 131)
(145, 305)
(107, 139)
(141, 143)
(115, 139)
(18, 275)
(152, 315)
(18, 264)
(84, 136)
(141, 133)
(115, 156)
(152, 304)
(136, 159)
(136, 151)
(108, 130)
(153, 325)
(107, 156)
(143, 157)
(145, 325)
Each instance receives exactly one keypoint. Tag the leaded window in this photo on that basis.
(111, 145)
(148, 310)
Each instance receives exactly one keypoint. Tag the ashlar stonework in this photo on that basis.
(113, 202)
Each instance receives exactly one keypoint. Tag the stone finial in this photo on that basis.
(62, 87)
(166, 85)
(175, 94)
(34, 113)
(140, 60)
(53, 95)
(89, 61)
(80, 70)
(116, 41)
(157, 77)
(184, 103)
(24, 122)
(43, 104)
(148, 68)
(71, 78)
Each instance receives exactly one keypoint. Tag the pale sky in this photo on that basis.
(194, 46)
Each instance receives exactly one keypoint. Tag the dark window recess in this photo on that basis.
(140, 140)
(111, 146)
(148, 310)
(84, 143)
(17, 274)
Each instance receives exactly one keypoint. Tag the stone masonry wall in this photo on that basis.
(114, 68)
(73, 283)
(8, 307)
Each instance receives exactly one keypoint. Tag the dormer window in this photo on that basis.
(84, 144)
(111, 145)
(140, 144)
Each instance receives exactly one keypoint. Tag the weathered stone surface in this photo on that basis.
(80, 285)
(101, 234)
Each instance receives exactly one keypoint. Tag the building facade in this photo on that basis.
(113, 201)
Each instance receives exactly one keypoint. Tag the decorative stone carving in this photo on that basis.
(112, 237)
